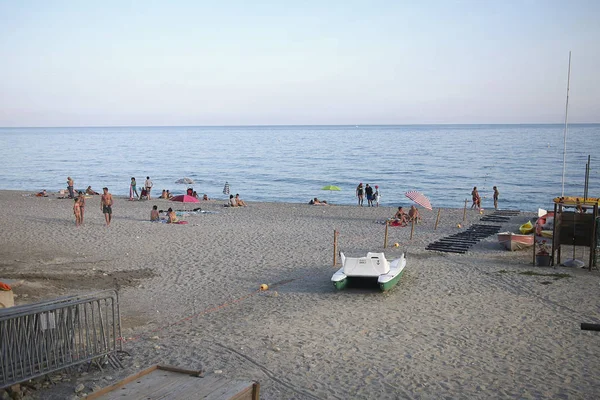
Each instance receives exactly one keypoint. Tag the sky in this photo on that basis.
(145, 63)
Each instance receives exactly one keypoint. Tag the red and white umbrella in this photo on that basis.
(419, 198)
(184, 198)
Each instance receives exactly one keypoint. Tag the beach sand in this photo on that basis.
(456, 326)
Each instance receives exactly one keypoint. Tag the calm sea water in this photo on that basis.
(292, 163)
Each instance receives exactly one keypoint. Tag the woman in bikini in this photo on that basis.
(77, 212)
(81, 200)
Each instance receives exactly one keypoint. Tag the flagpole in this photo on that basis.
(566, 129)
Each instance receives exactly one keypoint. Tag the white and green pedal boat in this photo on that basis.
(374, 265)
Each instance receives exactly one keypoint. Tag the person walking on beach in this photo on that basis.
(496, 195)
(70, 184)
(106, 202)
(81, 200)
(148, 186)
(360, 193)
(369, 193)
(376, 195)
(476, 198)
(133, 189)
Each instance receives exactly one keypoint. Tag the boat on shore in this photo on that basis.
(515, 241)
(373, 266)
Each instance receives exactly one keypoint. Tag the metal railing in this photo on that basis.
(40, 338)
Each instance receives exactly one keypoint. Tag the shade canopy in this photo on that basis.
(419, 198)
(331, 187)
(184, 198)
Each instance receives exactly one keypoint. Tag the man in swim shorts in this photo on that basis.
(106, 203)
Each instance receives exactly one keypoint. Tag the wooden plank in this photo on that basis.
(240, 390)
(158, 382)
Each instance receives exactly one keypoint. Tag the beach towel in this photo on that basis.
(5, 287)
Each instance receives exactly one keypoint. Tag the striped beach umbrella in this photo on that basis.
(419, 198)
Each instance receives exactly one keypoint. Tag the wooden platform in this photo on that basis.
(164, 382)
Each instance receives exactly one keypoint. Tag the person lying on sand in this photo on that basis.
(42, 193)
(91, 192)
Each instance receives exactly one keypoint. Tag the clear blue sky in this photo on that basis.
(90, 63)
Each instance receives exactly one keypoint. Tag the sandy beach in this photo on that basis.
(456, 326)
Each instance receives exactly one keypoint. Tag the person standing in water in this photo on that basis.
(496, 195)
(106, 203)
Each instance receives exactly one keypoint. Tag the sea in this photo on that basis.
(293, 163)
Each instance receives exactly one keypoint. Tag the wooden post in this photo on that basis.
(534, 243)
(412, 229)
(335, 245)
(386, 235)
(437, 219)
(465, 211)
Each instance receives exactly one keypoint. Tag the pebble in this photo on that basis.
(154, 338)
(79, 388)
(218, 371)
(276, 348)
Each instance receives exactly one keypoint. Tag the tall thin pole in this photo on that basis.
(566, 125)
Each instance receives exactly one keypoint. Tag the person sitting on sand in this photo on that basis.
(317, 202)
(42, 193)
(240, 202)
(90, 191)
(232, 202)
(171, 216)
(169, 195)
(154, 215)
(205, 197)
(401, 217)
(413, 214)
(163, 195)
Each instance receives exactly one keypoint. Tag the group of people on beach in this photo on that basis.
(372, 195)
(402, 218)
(171, 215)
(106, 202)
(235, 201)
(477, 198)
(145, 192)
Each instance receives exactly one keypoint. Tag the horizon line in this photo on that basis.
(291, 125)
